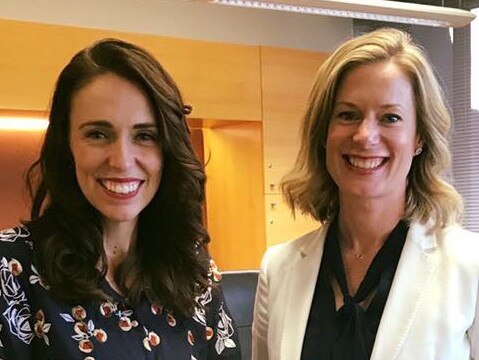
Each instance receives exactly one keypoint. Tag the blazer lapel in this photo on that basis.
(305, 263)
(414, 272)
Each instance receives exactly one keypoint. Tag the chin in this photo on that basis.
(366, 193)
(120, 217)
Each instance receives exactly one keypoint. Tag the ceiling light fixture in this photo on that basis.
(380, 10)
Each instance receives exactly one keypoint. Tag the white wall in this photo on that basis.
(187, 19)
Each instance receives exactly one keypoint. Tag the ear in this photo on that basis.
(418, 143)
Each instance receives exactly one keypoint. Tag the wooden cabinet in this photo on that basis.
(234, 190)
(287, 77)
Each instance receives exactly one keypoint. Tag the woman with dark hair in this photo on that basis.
(114, 263)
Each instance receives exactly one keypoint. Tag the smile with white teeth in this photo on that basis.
(121, 187)
(361, 163)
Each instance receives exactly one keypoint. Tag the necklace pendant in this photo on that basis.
(359, 256)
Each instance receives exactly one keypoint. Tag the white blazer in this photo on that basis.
(430, 313)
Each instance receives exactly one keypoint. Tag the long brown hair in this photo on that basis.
(170, 260)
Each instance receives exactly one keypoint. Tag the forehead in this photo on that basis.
(112, 98)
(381, 81)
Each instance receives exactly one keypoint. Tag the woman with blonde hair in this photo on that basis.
(390, 274)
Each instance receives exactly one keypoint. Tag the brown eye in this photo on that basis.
(96, 135)
(146, 136)
(348, 115)
(391, 118)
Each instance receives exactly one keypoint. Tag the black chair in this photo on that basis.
(239, 288)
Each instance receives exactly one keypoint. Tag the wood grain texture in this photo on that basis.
(287, 77)
(220, 81)
(234, 195)
(281, 225)
(19, 149)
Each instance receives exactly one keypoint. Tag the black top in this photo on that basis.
(350, 332)
(34, 325)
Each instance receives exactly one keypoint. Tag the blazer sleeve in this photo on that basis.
(260, 314)
(473, 333)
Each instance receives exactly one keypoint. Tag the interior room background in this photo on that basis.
(246, 73)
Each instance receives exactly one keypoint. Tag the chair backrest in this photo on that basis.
(239, 288)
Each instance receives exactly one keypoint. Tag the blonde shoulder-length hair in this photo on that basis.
(309, 188)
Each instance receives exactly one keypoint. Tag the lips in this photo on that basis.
(121, 186)
(369, 163)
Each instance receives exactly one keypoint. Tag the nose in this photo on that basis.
(121, 154)
(367, 132)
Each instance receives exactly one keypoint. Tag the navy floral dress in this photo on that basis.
(34, 325)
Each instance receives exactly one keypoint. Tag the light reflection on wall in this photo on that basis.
(23, 123)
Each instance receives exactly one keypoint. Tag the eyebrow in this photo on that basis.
(336, 103)
(106, 124)
(385, 106)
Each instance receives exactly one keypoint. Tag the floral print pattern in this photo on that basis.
(203, 300)
(36, 278)
(41, 327)
(14, 234)
(112, 308)
(151, 339)
(17, 311)
(85, 331)
(225, 332)
(96, 330)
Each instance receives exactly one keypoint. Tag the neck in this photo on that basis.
(364, 225)
(118, 239)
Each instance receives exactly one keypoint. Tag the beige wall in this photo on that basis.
(188, 19)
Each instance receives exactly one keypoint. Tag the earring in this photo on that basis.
(418, 151)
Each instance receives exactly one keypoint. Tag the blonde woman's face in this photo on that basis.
(372, 134)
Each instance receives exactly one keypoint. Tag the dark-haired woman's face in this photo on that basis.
(113, 138)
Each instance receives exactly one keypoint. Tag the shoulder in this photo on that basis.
(279, 256)
(460, 244)
(213, 296)
(213, 293)
(16, 257)
(15, 277)
(16, 249)
(456, 248)
(457, 233)
(16, 242)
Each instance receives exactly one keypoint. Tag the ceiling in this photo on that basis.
(465, 4)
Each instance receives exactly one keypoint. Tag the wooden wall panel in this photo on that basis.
(19, 149)
(281, 226)
(220, 81)
(234, 192)
(287, 77)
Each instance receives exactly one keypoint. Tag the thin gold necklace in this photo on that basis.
(359, 255)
